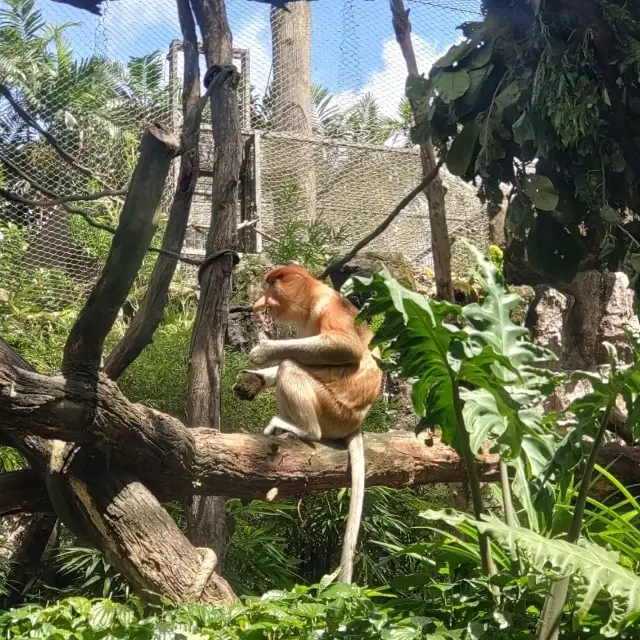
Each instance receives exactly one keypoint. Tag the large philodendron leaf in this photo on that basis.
(415, 334)
(593, 568)
(491, 325)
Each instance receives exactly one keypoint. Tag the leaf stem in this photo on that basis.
(551, 617)
(509, 511)
(484, 540)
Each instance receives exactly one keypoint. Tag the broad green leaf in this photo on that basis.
(481, 417)
(451, 85)
(542, 192)
(462, 148)
(418, 88)
(102, 614)
(400, 633)
(505, 98)
(460, 51)
(610, 215)
(587, 563)
(523, 129)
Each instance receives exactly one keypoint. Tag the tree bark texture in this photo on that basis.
(119, 516)
(206, 518)
(291, 98)
(92, 496)
(37, 534)
(175, 462)
(137, 224)
(112, 509)
(435, 192)
(146, 321)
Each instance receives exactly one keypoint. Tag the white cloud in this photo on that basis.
(387, 84)
(256, 36)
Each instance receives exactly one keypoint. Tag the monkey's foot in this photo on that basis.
(247, 385)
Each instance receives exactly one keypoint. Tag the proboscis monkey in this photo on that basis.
(326, 379)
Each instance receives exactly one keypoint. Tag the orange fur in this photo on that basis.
(293, 296)
(326, 379)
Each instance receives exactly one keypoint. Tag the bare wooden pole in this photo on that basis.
(138, 222)
(435, 191)
(206, 518)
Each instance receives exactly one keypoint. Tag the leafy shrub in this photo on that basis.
(334, 611)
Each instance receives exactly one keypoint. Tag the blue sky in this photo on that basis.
(353, 46)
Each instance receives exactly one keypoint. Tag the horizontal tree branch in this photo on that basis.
(248, 466)
(62, 199)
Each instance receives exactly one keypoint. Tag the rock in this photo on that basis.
(548, 330)
(365, 264)
(575, 323)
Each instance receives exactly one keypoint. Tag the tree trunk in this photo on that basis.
(206, 517)
(291, 100)
(435, 192)
(34, 537)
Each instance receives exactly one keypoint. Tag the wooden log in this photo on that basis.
(120, 516)
(137, 224)
(146, 321)
(23, 492)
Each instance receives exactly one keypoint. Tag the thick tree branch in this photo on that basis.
(336, 266)
(23, 492)
(435, 191)
(149, 316)
(136, 227)
(119, 516)
(62, 199)
(247, 466)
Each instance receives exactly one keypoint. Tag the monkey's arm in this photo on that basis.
(325, 349)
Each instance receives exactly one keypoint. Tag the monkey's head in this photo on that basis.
(288, 296)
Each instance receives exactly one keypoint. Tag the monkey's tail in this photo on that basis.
(355, 443)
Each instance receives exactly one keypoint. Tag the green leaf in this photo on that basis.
(592, 566)
(462, 148)
(102, 614)
(451, 85)
(460, 51)
(506, 98)
(523, 129)
(400, 633)
(418, 88)
(542, 192)
(481, 417)
(610, 215)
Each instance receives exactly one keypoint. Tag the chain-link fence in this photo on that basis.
(322, 111)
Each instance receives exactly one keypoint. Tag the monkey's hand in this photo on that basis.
(248, 385)
(265, 352)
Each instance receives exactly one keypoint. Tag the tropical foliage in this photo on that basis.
(546, 100)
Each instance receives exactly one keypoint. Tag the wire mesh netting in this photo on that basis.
(324, 123)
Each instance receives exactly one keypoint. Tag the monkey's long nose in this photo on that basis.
(260, 304)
